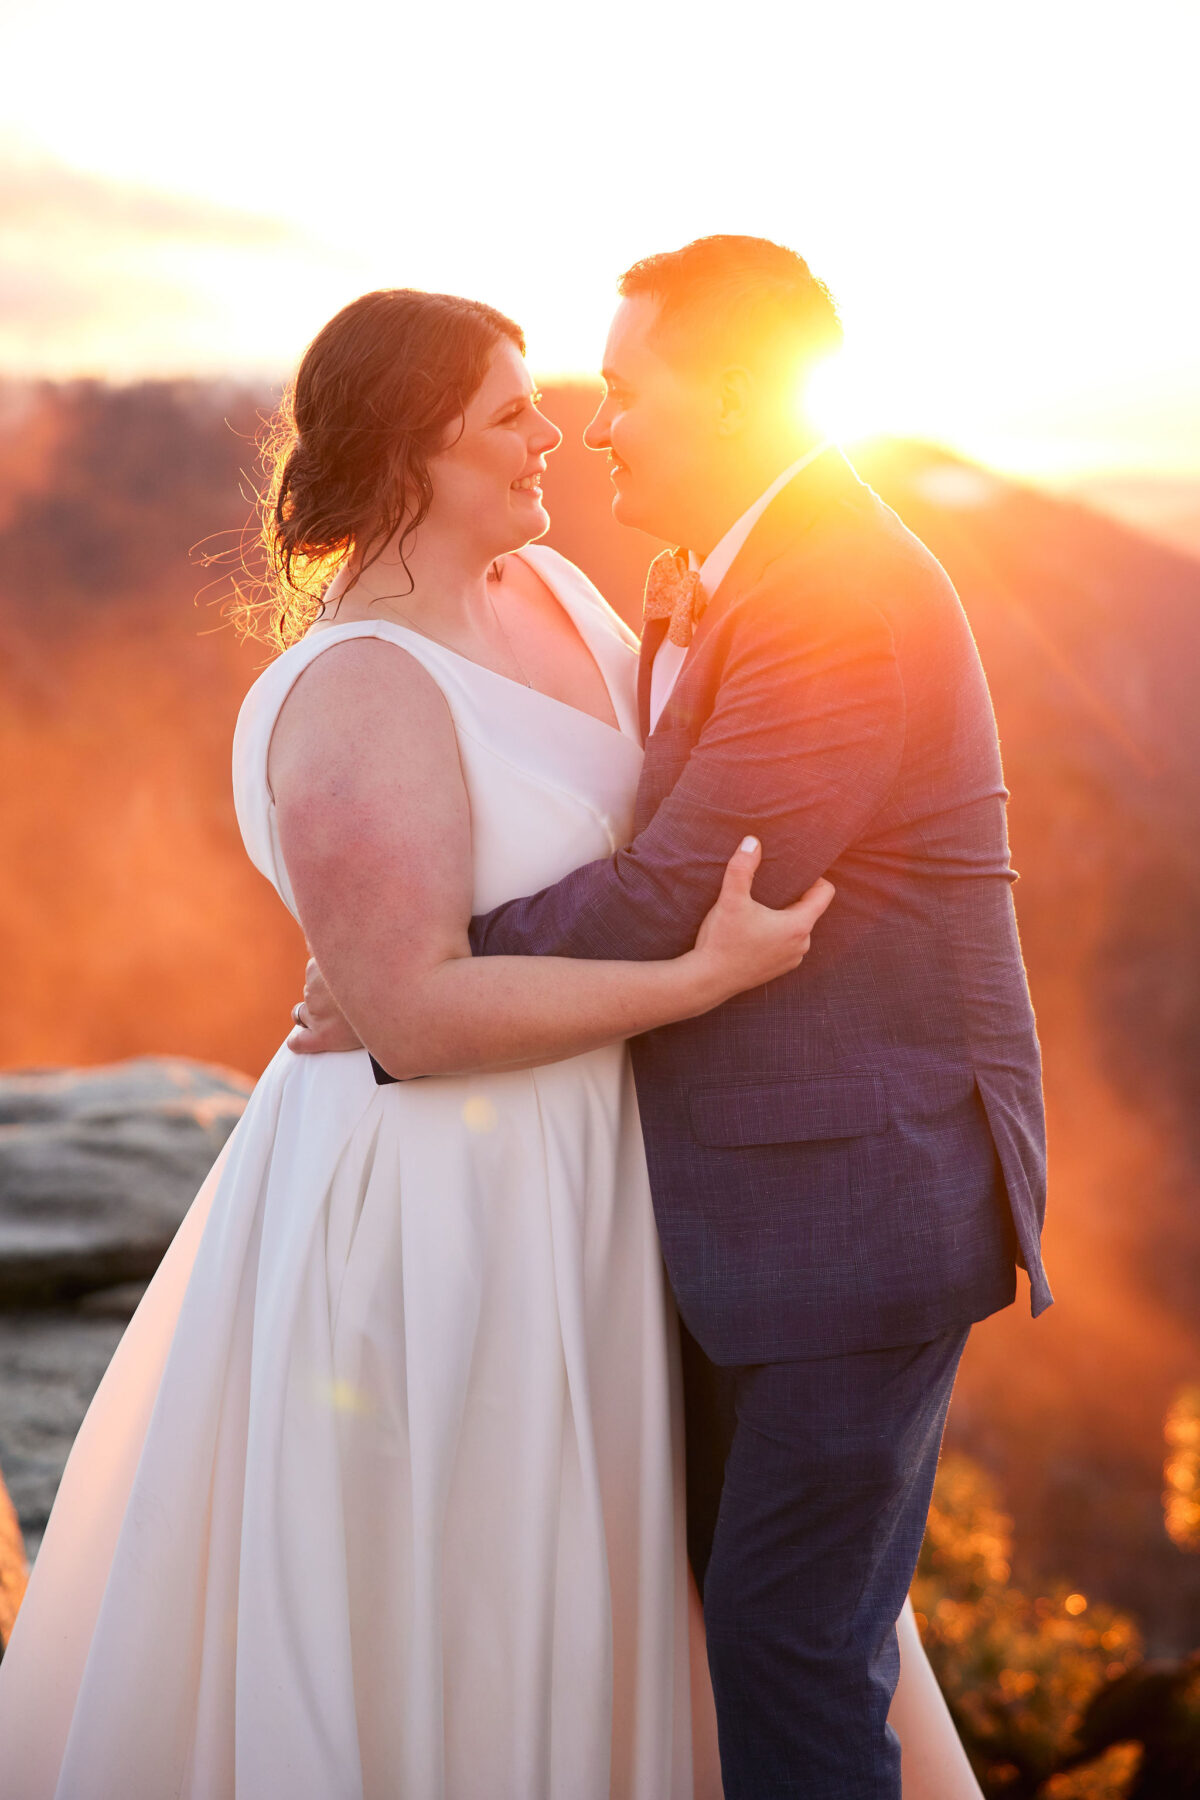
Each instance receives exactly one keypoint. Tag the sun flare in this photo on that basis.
(840, 401)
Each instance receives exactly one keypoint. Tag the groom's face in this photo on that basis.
(656, 421)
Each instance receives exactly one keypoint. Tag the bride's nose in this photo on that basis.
(546, 438)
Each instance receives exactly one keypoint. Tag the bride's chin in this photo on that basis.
(534, 524)
(517, 540)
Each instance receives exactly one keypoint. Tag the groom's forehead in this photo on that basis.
(629, 335)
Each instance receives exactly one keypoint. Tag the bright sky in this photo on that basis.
(1002, 198)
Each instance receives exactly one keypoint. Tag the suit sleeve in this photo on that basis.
(802, 748)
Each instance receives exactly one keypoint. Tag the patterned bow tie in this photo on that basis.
(673, 592)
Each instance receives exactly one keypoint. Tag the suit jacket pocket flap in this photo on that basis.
(805, 1110)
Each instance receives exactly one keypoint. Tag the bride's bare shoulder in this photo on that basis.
(356, 695)
(367, 665)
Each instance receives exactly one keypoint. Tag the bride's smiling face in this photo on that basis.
(487, 481)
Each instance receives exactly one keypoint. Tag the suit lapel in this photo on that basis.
(652, 637)
(790, 515)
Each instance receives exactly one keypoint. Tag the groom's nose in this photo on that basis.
(595, 434)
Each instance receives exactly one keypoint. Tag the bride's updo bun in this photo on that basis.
(347, 453)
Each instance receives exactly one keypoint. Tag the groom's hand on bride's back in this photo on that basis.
(318, 1023)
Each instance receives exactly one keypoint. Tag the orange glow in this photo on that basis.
(1026, 295)
(1181, 1472)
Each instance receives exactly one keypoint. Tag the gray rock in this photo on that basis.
(98, 1167)
(51, 1361)
(112, 1303)
(14, 1570)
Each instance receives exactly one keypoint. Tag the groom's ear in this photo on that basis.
(735, 398)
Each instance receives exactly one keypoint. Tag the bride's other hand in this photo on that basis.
(742, 944)
(319, 1023)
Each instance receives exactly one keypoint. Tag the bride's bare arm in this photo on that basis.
(374, 828)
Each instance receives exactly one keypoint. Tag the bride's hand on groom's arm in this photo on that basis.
(741, 943)
(319, 1025)
(374, 828)
(803, 741)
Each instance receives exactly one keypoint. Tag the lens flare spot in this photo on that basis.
(343, 1397)
(479, 1115)
(958, 487)
(1075, 1604)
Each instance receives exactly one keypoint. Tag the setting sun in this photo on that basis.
(839, 399)
(1021, 293)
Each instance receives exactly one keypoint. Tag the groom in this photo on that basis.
(847, 1163)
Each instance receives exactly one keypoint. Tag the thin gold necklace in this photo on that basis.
(510, 646)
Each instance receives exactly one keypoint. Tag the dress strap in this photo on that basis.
(253, 801)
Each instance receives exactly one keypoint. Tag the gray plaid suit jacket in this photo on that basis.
(853, 1156)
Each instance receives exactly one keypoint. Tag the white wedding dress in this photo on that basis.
(380, 1497)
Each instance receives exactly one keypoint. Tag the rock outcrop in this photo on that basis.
(98, 1167)
(14, 1570)
(51, 1362)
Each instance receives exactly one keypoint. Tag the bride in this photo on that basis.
(381, 1493)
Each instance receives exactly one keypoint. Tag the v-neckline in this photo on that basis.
(583, 639)
(616, 729)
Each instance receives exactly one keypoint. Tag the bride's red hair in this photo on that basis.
(347, 452)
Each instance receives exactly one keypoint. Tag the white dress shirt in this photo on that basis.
(668, 660)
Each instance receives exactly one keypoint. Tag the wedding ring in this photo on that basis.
(296, 1019)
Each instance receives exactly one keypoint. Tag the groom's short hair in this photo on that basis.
(732, 299)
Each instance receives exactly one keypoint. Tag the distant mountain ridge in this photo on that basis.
(132, 923)
(1162, 506)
